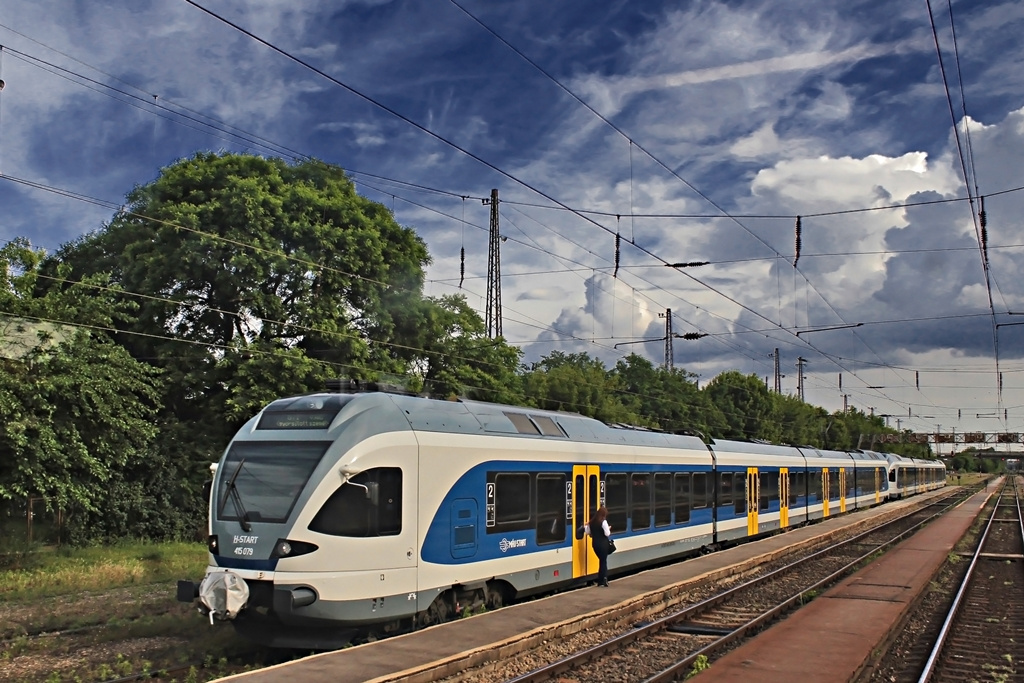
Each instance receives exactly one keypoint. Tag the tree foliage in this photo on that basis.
(77, 407)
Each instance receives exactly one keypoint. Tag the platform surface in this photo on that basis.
(831, 639)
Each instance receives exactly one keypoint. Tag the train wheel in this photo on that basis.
(495, 597)
(440, 611)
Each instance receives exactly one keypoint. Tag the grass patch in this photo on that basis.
(73, 570)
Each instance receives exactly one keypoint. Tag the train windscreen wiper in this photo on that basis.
(236, 499)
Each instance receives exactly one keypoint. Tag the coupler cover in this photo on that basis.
(223, 594)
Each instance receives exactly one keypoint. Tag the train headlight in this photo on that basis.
(212, 545)
(288, 548)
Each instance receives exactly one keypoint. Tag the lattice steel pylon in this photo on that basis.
(493, 314)
(669, 355)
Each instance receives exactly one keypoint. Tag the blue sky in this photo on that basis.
(698, 131)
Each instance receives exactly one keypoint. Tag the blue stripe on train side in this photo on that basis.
(478, 545)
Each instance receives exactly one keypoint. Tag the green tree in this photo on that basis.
(77, 407)
(580, 384)
(669, 399)
(746, 404)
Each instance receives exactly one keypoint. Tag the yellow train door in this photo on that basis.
(824, 492)
(842, 489)
(753, 491)
(587, 494)
(783, 497)
(878, 485)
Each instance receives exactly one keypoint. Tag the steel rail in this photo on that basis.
(947, 625)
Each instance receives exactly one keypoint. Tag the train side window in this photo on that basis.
(765, 490)
(816, 484)
(724, 489)
(616, 499)
(550, 508)
(640, 511)
(739, 492)
(700, 490)
(662, 499)
(682, 490)
(794, 490)
(511, 498)
(350, 511)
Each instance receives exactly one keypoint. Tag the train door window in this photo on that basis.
(578, 509)
(512, 501)
(833, 484)
(724, 489)
(370, 504)
(739, 493)
(550, 508)
(681, 482)
(662, 499)
(765, 490)
(640, 511)
(617, 501)
(700, 490)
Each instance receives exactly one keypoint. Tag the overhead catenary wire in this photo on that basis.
(393, 197)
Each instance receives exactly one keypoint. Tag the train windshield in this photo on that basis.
(261, 480)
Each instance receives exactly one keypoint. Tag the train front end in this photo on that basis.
(306, 535)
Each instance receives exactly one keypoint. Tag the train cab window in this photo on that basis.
(739, 493)
(700, 490)
(616, 499)
(662, 499)
(681, 484)
(550, 508)
(547, 426)
(522, 423)
(640, 510)
(369, 504)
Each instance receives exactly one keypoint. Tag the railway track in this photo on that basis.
(669, 645)
(982, 637)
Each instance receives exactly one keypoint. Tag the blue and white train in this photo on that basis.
(335, 514)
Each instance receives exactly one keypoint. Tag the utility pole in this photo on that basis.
(669, 361)
(846, 404)
(778, 375)
(800, 362)
(493, 315)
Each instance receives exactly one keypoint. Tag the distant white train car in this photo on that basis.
(335, 514)
(909, 476)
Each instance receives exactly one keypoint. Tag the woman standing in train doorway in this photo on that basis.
(600, 539)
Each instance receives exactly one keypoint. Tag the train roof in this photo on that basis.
(396, 412)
